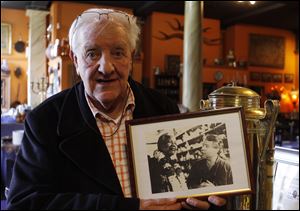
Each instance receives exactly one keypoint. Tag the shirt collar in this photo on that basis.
(130, 104)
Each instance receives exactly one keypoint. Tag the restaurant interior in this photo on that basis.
(253, 45)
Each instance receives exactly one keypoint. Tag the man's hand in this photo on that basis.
(196, 204)
(160, 204)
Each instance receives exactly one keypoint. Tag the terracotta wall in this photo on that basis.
(19, 22)
(155, 50)
(240, 44)
(235, 37)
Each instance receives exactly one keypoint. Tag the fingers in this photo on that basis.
(216, 200)
(164, 201)
(196, 203)
(188, 207)
(176, 206)
(189, 203)
(160, 204)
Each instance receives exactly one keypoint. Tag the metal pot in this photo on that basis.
(233, 96)
(260, 128)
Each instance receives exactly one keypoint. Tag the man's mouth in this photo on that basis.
(105, 80)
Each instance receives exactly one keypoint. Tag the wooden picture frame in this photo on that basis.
(172, 64)
(277, 78)
(266, 51)
(192, 134)
(255, 76)
(266, 77)
(286, 179)
(288, 78)
(6, 38)
(5, 92)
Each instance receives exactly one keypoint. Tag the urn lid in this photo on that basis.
(233, 90)
(233, 96)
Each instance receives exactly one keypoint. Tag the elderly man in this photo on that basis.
(73, 154)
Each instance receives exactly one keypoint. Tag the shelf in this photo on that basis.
(226, 67)
(167, 75)
(166, 86)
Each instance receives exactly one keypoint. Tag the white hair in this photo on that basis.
(94, 15)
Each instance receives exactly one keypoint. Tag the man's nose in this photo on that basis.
(106, 65)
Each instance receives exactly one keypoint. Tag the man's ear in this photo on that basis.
(132, 57)
(132, 54)
(73, 58)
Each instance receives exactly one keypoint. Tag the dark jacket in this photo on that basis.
(63, 162)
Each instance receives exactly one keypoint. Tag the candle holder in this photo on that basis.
(294, 96)
(41, 88)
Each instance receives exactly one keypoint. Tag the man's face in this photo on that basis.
(103, 60)
(209, 149)
(169, 147)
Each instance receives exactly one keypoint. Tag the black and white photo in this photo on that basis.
(199, 154)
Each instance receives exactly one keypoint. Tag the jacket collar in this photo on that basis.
(143, 106)
(86, 120)
(82, 142)
(75, 115)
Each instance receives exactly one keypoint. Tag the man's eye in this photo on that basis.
(118, 53)
(92, 55)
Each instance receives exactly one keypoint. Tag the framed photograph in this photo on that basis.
(172, 64)
(266, 77)
(5, 92)
(288, 78)
(255, 76)
(192, 154)
(277, 78)
(266, 51)
(6, 38)
(286, 179)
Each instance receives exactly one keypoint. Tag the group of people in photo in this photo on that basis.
(206, 162)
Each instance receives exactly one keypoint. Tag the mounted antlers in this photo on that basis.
(179, 27)
(179, 35)
(169, 36)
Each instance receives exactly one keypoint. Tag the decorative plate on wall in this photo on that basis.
(218, 75)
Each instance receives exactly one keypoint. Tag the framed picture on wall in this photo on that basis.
(286, 179)
(167, 152)
(266, 51)
(255, 76)
(288, 78)
(266, 77)
(5, 92)
(6, 38)
(277, 78)
(172, 64)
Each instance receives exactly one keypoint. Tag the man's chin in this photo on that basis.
(106, 100)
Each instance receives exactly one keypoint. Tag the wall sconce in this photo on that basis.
(294, 95)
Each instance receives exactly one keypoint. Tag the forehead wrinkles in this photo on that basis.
(106, 30)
